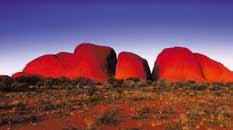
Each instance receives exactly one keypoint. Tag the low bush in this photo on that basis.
(81, 82)
(109, 117)
(5, 82)
(30, 80)
(114, 83)
(143, 113)
(130, 82)
(162, 85)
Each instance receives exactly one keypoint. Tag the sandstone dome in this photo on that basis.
(130, 65)
(177, 64)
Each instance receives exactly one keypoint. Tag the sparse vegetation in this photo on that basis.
(143, 113)
(117, 103)
(173, 125)
(109, 117)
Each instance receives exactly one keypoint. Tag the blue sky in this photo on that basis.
(30, 29)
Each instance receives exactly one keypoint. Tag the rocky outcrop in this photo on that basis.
(99, 63)
(179, 64)
(95, 62)
(213, 71)
(88, 60)
(55, 66)
(19, 74)
(130, 65)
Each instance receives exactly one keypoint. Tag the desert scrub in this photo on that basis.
(130, 82)
(70, 128)
(165, 112)
(130, 128)
(114, 83)
(199, 87)
(229, 84)
(31, 80)
(46, 106)
(189, 85)
(91, 90)
(195, 111)
(222, 116)
(16, 118)
(94, 99)
(173, 125)
(81, 81)
(143, 83)
(162, 85)
(143, 113)
(5, 82)
(109, 117)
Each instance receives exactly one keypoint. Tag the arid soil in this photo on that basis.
(119, 105)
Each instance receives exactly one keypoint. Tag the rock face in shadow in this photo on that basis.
(88, 60)
(130, 65)
(179, 64)
(95, 62)
(213, 71)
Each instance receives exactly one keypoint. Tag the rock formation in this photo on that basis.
(54, 66)
(99, 63)
(179, 64)
(19, 74)
(130, 65)
(213, 71)
(95, 62)
(88, 60)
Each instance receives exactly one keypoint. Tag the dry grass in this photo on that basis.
(162, 105)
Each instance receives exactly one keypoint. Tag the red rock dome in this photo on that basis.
(69, 62)
(58, 65)
(89, 60)
(98, 63)
(177, 64)
(19, 74)
(213, 71)
(95, 62)
(130, 65)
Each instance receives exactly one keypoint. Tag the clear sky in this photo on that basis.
(29, 29)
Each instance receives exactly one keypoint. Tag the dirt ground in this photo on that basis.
(128, 105)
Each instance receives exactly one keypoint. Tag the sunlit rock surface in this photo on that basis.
(130, 65)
